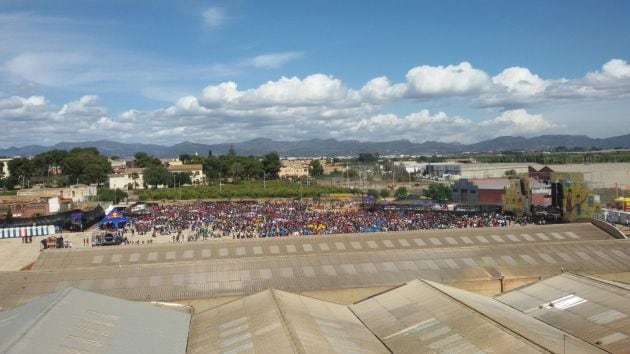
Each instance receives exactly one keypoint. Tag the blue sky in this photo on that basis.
(212, 71)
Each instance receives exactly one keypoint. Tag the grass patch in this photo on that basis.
(244, 189)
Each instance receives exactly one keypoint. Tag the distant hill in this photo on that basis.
(333, 147)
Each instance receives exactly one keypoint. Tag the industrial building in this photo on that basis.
(567, 313)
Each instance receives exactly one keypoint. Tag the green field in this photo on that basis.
(244, 189)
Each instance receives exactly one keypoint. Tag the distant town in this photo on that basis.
(567, 182)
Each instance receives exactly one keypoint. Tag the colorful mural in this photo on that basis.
(513, 200)
(578, 201)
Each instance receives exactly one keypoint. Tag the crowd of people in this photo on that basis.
(249, 219)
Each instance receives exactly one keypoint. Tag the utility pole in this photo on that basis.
(393, 173)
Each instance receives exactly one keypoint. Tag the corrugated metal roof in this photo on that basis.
(416, 318)
(77, 322)
(304, 272)
(596, 311)
(533, 330)
(423, 316)
(315, 245)
(274, 321)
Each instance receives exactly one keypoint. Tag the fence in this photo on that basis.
(40, 230)
(74, 220)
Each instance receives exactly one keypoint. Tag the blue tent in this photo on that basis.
(115, 217)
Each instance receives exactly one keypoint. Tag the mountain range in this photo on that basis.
(333, 147)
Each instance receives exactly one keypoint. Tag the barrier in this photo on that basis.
(38, 230)
(609, 229)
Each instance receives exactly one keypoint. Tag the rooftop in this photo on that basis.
(280, 322)
(594, 310)
(244, 267)
(75, 321)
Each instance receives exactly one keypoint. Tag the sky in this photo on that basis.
(210, 72)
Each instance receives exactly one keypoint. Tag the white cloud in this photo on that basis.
(381, 90)
(213, 17)
(34, 120)
(615, 69)
(313, 90)
(517, 122)
(274, 60)
(321, 105)
(520, 81)
(451, 80)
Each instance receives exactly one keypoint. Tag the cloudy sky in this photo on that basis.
(228, 71)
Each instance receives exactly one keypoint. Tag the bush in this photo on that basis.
(373, 192)
(401, 192)
(384, 193)
(109, 195)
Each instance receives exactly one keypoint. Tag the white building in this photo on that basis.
(294, 168)
(79, 193)
(130, 177)
(196, 172)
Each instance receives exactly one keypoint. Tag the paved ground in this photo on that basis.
(15, 255)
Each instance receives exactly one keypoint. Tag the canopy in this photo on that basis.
(115, 217)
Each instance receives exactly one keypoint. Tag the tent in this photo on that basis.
(115, 217)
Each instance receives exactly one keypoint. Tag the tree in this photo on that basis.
(384, 193)
(110, 195)
(439, 192)
(510, 173)
(94, 172)
(9, 215)
(49, 159)
(156, 175)
(184, 157)
(316, 168)
(86, 165)
(144, 160)
(236, 170)
(271, 164)
(368, 157)
(180, 179)
(351, 173)
(135, 176)
(373, 192)
(20, 170)
(401, 192)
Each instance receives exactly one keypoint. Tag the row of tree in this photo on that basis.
(59, 167)
(230, 165)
